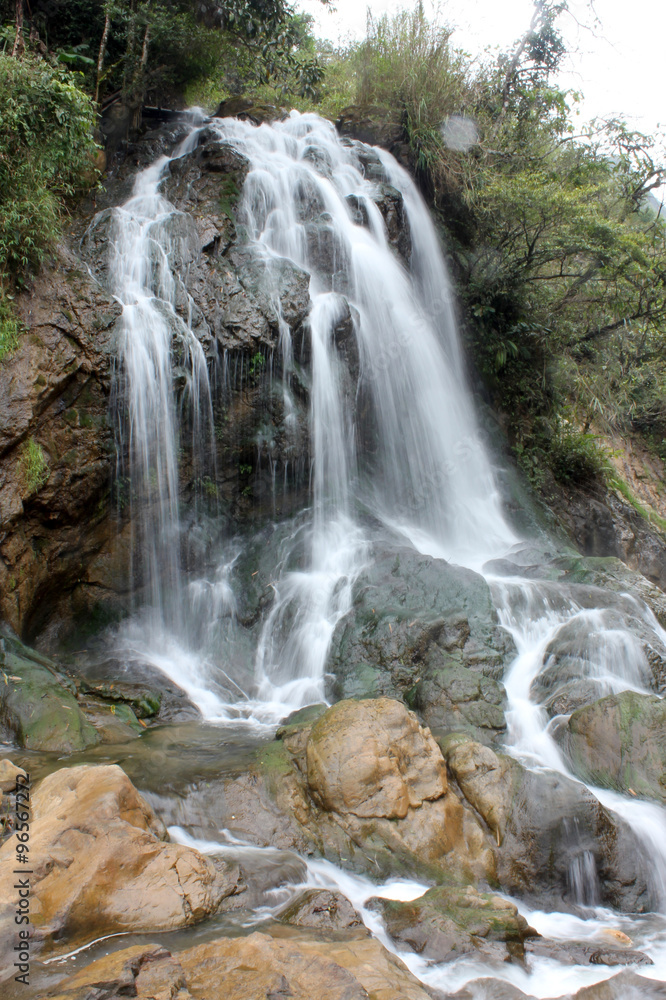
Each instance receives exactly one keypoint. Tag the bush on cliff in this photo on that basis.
(46, 156)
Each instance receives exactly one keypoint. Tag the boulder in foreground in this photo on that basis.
(248, 967)
(101, 865)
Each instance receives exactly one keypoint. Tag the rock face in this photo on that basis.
(427, 632)
(100, 864)
(254, 966)
(65, 535)
(446, 923)
(603, 524)
(56, 441)
(620, 742)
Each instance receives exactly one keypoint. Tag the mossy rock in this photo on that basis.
(299, 719)
(619, 742)
(143, 702)
(426, 632)
(446, 923)
(37, 706)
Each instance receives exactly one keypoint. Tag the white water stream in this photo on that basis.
(427, 478)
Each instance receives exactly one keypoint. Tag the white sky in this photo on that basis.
(620, 66)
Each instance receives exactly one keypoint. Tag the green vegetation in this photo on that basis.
(257, 362)
(138, 51)
(558, 252)
(10, 328)
(46, 155)
(559, 255)
(34, 467)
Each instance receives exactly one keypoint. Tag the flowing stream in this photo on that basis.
(427, 479)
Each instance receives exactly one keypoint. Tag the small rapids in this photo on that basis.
(413, 466)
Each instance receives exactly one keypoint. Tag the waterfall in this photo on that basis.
(395, 446)
(142, 240)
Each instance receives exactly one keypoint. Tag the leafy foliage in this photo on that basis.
(46, 154)
(142, 49)
(559, 255)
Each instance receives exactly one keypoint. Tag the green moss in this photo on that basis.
(36, 704)
(650, 515)
(229, 194)
(274, 760)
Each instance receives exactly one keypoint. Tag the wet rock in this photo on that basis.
(115, 723)
(581, 953)
(365, 786)
(299, 718)
(555, 840)
(624, 986)
(372, 759)
(247, 110)
(253, 966)
(100, 864)
(38, 708)
(390, 204)
(614, 639)
(425, 631)
(484, 778)
(358, 209)
(616, 575)
(446, 923)
(145, 702)
(269, 279)
(328, 254)
(325, 910)
(620, 742)
(54, 391)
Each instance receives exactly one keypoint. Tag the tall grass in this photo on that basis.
(408, 66)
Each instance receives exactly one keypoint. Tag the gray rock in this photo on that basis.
(425, 631)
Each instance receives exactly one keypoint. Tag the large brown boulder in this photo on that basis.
(372, 758)
(100, 864)
(249, 967)
(365, 786)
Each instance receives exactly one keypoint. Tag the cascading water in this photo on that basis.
(141, 277)
(414, 464)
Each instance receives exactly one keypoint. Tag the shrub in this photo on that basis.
(576, 457)
(407, 66)
(46, 155)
